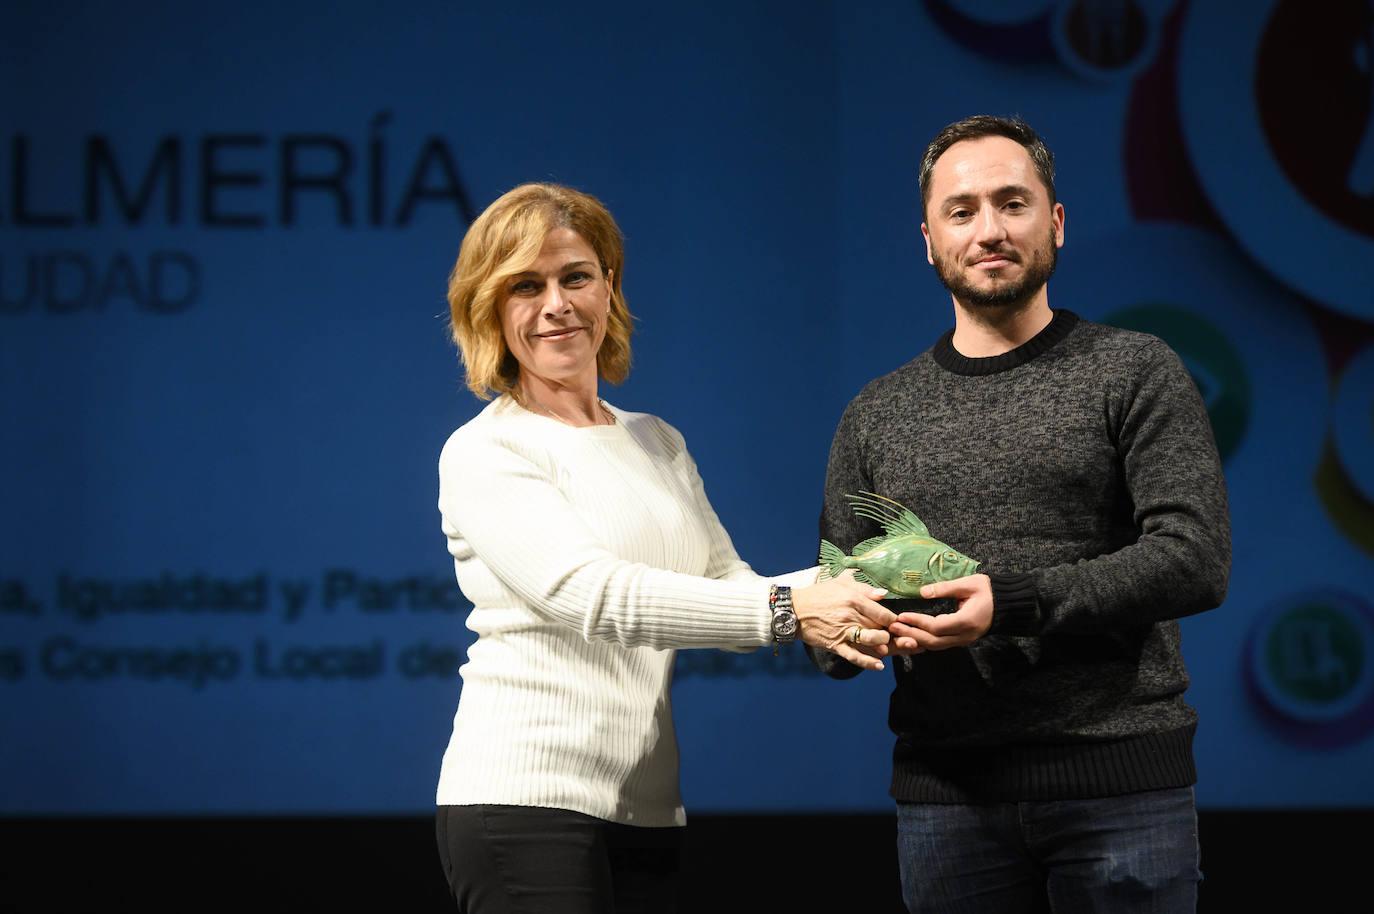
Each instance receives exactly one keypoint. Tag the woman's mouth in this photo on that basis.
(559, 335)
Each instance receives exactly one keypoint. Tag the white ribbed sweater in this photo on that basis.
(589, 554)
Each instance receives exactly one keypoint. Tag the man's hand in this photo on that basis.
(915, 633)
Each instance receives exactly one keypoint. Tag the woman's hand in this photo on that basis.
(831, 610)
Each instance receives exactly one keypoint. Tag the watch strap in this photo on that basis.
(784, 618)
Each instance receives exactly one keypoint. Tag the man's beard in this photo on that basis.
(1012, 296)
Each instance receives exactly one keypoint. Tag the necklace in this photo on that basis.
(520, 398)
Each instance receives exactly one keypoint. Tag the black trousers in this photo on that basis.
(515, 859)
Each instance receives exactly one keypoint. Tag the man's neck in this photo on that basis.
(983, 332)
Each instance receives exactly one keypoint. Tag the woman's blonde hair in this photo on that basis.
(505, 240)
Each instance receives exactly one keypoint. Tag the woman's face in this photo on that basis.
(554, 314)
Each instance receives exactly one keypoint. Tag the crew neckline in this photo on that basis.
(949, 358)
(512, 406)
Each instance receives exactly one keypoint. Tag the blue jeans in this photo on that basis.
(1132, 853)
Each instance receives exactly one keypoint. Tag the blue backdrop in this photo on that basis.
(225, 233)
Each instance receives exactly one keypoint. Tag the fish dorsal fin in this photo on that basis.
(895, 518)
(869, 545)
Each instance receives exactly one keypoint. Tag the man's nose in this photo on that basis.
(988, 227)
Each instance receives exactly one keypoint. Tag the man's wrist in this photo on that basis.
(1015, 604)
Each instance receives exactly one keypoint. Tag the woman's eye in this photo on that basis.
(576, 279)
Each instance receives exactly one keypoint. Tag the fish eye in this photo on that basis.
(950, 556)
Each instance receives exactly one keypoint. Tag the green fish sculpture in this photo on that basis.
(904, 558)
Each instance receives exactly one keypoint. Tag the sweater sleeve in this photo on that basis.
(502, 507)
(1179, 563)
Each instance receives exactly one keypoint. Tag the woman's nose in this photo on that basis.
(556, 300)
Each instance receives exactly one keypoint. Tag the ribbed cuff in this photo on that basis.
(1015, 607)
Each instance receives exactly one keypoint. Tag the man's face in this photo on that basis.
(991, 232)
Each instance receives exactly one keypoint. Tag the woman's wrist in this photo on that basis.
(783, 618)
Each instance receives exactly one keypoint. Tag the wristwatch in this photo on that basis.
(784, 619)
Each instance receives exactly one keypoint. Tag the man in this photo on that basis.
(1044, 749)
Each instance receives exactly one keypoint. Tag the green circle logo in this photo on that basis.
(1310, 665)
(1315, 655)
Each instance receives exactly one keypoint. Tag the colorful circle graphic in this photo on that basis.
(1111, 40)
(1015, 31)
(1345, 478)
(1294, 187)
(1352, 422)
(1310, 667)
(1324, 53)
(1008, 12)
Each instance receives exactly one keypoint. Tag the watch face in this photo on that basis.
(784, 624)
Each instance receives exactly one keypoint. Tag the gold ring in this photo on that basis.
(856, 634)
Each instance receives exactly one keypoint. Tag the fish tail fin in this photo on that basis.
(832, 558)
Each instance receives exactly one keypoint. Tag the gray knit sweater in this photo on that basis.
(1081, 471)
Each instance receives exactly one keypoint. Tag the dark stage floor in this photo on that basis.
(1255, 861)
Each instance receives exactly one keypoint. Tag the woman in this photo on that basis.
(583, 537)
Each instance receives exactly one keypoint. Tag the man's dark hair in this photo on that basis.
(977, 127)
